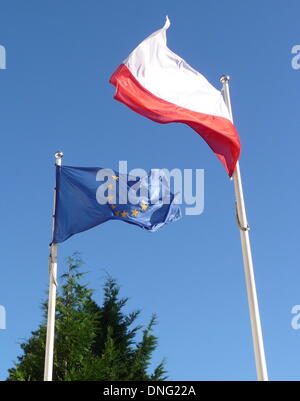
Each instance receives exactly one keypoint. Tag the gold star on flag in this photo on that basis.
(124, 214)
(144, 207)
(113, 206)
(134, 212)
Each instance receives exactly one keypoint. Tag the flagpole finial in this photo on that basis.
(58, 156)
(224, 79)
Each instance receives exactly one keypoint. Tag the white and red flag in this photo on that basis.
(160, 85)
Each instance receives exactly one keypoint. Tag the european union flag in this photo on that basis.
(89, 196)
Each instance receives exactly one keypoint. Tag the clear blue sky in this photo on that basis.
(55, 94)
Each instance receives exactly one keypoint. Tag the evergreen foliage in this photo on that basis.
(92, 342)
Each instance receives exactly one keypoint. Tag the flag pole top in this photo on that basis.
(224, 79)
(58, 156)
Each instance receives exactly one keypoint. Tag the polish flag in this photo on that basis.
(155, 82)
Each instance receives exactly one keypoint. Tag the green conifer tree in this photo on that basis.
(92, 342)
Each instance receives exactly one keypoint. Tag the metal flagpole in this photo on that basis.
(48, 369)
(261, 367)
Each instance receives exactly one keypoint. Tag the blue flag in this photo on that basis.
(89, 196)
